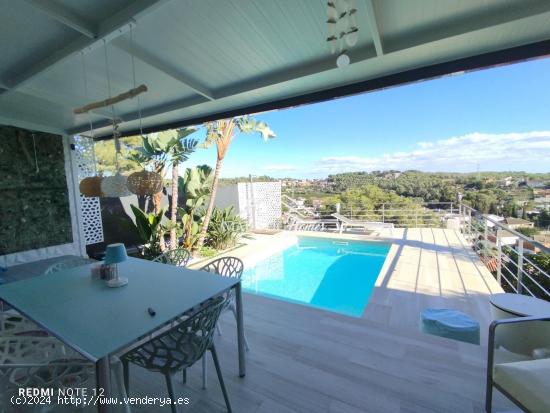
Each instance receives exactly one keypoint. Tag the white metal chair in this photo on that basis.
(178, 256)
(44, 362)
(68, 263)
(226, 267)
(12, 323)
(345, 223)
(179, 347)
(524, 382)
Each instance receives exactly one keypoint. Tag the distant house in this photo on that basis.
(515, 223)
(506, 181)
(542, 202)
(493, 217)
(392, 175)
(506, 238)
(536, 184)
(317, 203)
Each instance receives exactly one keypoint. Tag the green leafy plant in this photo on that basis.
(150, 230)
(159, 150)
(225, 228)
(195, 188)
(527, 231)
(208, 252)
(190, 226)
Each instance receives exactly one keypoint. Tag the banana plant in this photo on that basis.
(149, 229)
(195, 187)
(163, 149)
(190, 227)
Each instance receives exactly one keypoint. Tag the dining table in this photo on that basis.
(98, 321)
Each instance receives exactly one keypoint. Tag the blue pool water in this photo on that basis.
(331, 274)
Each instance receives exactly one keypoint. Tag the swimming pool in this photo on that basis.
(332, 274)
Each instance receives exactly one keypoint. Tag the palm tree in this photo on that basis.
(160, 150)
(221, 133)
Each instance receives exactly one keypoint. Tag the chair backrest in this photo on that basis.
(225, 266)
(342, 218)
(43, 362)
(12, 324)
(182, 345)
(68, 263)
(178, 256)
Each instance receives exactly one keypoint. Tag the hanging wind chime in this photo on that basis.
(342, 28)
(143, 182)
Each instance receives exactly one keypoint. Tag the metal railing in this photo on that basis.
(427, 215)
(423, 215)
(514, 259)
(295, 207)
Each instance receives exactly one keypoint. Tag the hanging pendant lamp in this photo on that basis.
(91, 185)
(115, 186)
(142, 182)
(145, 183)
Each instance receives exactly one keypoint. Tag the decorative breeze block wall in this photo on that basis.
(90, 209)
(262, 202)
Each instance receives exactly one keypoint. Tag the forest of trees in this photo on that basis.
(483, 191)
(369, 190)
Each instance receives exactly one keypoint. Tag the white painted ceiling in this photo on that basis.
(202, 57)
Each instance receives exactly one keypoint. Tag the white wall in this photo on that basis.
(259, 203)
(228, 195)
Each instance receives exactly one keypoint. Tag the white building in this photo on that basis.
(492, 217)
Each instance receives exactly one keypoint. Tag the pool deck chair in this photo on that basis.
(523, 382)
(347, 223)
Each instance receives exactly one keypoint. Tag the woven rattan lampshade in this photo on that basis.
(145, 183)
(91, 186)
(115, 186)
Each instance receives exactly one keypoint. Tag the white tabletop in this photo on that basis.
(521, 305)
(97, 320)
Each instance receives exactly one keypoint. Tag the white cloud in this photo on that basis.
(461, 153)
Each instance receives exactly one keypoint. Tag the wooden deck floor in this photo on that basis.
(309, 360)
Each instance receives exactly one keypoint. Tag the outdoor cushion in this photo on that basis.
(450, 324)
(505, 356)
(527, 382)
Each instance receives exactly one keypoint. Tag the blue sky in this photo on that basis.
(494, 119)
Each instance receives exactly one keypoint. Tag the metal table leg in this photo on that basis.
(103, 382)
(240, 329)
